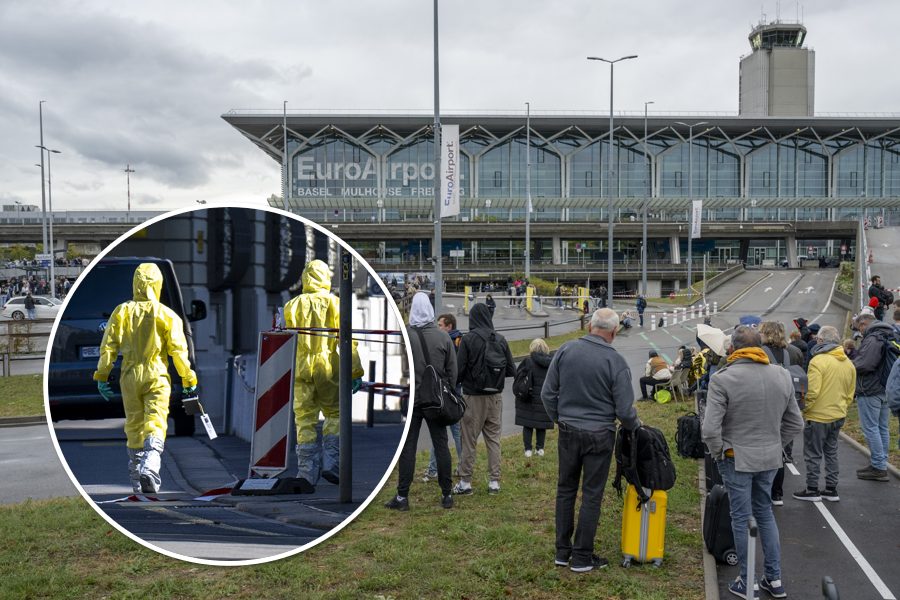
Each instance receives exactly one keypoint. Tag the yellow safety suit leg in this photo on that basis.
(146, 401)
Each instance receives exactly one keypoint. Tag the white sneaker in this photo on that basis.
(494, 487)
(528, 454)
(540, 452)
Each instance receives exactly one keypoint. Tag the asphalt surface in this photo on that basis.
(227, 527)
(29, 466)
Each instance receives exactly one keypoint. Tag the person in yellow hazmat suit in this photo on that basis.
(316, 375)
(145, 332)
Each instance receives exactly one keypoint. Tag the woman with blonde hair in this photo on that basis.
(530, 412)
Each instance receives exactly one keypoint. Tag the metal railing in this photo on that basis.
(19, 341)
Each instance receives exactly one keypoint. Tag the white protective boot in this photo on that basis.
(134, 468)
(331, 458)
(150, 465)
(308, 462)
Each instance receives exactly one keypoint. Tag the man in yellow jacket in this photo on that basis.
(146, 332)
(316, 374)
(832, 383)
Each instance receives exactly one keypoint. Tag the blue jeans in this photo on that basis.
(873, 418)
(752, 493)
(457, 440)
(29, 314)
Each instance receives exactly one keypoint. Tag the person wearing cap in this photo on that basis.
(870, 394)
(882, 297)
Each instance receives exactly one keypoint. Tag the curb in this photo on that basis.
(856, 445)
(710, 572)
(23, 421)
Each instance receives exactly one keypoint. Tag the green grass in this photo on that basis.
(851, 427)
(487, 547)
(520, 347)
(21, 396)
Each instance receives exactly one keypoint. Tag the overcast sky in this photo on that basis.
(145, 83)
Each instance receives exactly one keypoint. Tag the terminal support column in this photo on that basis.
(557, 253)
(791, 243)
(675, 247)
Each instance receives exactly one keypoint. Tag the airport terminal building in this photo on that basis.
(776, 181)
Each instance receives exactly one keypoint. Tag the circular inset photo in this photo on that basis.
(226, 385)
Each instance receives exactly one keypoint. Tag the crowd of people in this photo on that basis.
(32, 284)
(757, 390)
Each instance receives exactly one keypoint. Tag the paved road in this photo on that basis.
(885, 246)
(29, 466)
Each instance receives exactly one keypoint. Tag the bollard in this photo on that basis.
(706, 309)
(652, 322)
(693, 312)
(546, 329)
(370, 402)
(715, 308)
(665, 319)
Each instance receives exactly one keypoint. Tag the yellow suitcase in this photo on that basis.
(643, 528)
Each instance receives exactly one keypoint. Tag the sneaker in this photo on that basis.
(540, 452)
(597, 562)
(461, 489)
(739, 588)
(447, 501)
(830, 494)
(398, 503)
(562, 559)
(777, 500)
(429, 476)
(774, 588)
(808, 495)
(528, 454)
(873, 474)
(494, 487)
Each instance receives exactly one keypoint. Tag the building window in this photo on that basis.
(677, 178)
(588, 179)
(807, 157)
(895, 158)
(498, 179)
(720, 157)
(631, 156)
(853, 179)
(541, 156)
(766, 177)
(355, 154)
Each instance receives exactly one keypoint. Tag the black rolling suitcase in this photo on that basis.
(717, 534)
(711, 470)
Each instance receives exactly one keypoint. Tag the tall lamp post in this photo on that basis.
(436, 250)
(284, 158)
(609, 209)
(128, 171)
(646, 201)
(43, 191)
(528, 190)
(690, 203)
(50, 206)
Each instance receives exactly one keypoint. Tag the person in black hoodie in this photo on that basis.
(423, 332)
(530, 412)
(484, 406)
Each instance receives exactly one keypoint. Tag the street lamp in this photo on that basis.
(646, 201)
(609, 209)
(528, 190)
(284, 158)
(437, 247)
(690, 203)
(50, 206)
(43, 191)
(128, 171)
(19, 209)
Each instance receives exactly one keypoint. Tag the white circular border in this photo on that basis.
(204, 561)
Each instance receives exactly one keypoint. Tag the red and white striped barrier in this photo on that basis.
(274, 403)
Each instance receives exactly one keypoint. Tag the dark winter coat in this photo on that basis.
(471, 349)
(868, 359)
(530, 412)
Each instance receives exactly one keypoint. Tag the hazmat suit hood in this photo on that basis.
(480, 317)
(421, 313)
(316, 277)
(147, 283)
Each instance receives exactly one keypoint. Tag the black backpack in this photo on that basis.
(643, 459)
(891, 343)
(438, 401)
(523, 382)
(489, 373)
(688, 439)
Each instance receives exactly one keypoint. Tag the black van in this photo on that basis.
(76, 347)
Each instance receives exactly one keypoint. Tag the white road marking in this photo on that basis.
(768, 289)
(828, 303)
(867, 569)
(784, 293)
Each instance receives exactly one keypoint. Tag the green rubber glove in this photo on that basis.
(105, 390)
(189, 391)
(357, 383)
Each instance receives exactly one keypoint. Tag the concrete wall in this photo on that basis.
(778, 83)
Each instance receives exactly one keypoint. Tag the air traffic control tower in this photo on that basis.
(778, 78)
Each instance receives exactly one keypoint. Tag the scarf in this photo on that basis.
(754, 353)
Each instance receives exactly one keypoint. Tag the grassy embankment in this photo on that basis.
(21, 396)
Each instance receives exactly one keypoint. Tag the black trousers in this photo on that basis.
(584, 458)
(651, 382)
(408, 454)
(778, 482)
(539, 436)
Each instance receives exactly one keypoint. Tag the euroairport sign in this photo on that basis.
(360, 179)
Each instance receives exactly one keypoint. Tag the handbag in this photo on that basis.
(438, 401)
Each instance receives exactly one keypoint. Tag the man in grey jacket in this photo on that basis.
(870, 395)
(751, 413)
(588, 387)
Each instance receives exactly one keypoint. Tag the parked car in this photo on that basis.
(45, 307)
(76, 347)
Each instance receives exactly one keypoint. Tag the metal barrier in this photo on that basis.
(17, 342)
